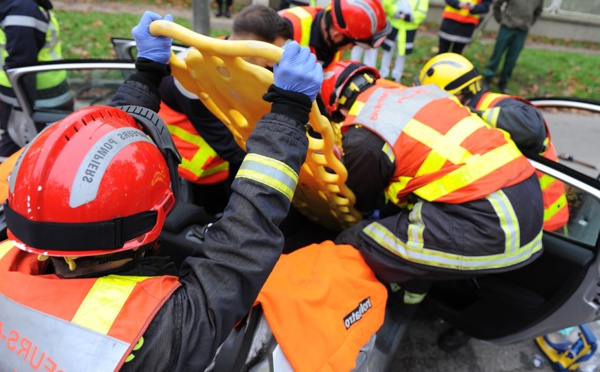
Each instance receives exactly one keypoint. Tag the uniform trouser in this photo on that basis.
(367, 56)
(439, 241)
(445, 46)
(390, 50)
(7, 145)
(510, 41)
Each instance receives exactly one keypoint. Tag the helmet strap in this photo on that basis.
(357, 84)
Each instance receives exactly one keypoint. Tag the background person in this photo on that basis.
(459, 20)
(515, 18)
(162, 319)
(405, 17)
(29, 34)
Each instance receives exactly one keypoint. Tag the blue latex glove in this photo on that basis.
(298, 71)
(155, 48)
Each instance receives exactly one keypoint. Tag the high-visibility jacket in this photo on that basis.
(417, 16)
(199, 162)
(462, 15)
(452, 158)
(556, 207)
(50, 52)
(301, 20)
(72, 324)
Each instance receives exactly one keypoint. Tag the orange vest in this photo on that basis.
(461, 15)
(48, 323)
(199, 162)
(323, 303)
(556, 207)
(442, 152)
(302, 18)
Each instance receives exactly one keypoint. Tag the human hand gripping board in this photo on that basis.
(232, 89)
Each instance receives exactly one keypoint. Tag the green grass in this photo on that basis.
(538, 72)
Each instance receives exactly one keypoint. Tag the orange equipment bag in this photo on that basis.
(323, 303)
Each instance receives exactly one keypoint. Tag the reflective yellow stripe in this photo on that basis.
(270, 172)
(305, 22)
(555, 207)
(105, 300)
(413, 298)
(5, 247)
(476, 167)
(444, 146)
(198, 161)
(416, 227)
(491, 116)
(545, 181)
(508, 219)
(487, 100)
(394, 189)
(356, 107)
(387, 150)
(389, 241)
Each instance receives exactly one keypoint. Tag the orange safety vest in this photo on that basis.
(199, 162)
(442, 152)
(54, 324)
(323, 303)
(461, 15)
(556, 206)
(302, 18)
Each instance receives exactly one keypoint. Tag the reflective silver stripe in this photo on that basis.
(270, 172)
(10, 100)
(25, 21)
(508, 219)
(429, 257)
(52, 343)
(53, 102)
(384, 113)
(92, 167)
(416, 227)
(454, 38)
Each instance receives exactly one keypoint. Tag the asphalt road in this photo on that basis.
(574, 133)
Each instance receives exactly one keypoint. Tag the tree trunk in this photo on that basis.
(201, 16)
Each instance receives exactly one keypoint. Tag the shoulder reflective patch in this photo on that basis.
(31, 340)
(270, 172)
(91, 170)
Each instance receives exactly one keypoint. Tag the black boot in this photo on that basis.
(227, 13)
(219, 11)
(502, 88)
(452, 340)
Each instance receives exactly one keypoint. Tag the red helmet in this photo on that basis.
(335, 90)
(362, 21)
(93, 183)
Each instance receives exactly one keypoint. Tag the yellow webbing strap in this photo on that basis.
(232, 89)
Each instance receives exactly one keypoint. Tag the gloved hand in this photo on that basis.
(298, 71)
(399, 15)
(155, 48)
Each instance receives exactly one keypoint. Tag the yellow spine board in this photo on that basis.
(232, 89)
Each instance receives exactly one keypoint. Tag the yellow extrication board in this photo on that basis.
(232, 89)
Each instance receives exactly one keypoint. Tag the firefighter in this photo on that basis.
(79, 282)
(210, 155)
(456, 74)
(340, 26)
(29, 34)
(459, 20)
(465, 200)
(525, 123)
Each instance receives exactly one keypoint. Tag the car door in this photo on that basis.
(562, 287)
(91, 82)
(125, 48)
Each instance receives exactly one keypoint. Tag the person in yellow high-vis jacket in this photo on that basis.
(405, 17)
(29, 34)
